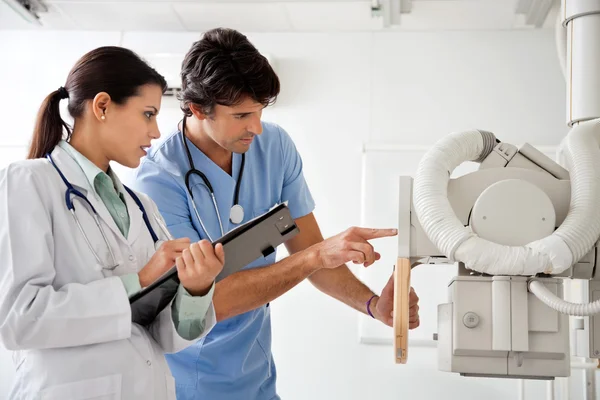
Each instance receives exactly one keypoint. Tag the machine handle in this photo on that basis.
(401, 320)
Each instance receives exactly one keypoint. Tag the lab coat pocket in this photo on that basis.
(104, 388)
(171, 392)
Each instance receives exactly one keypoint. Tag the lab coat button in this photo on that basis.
(149, 362)
(131, 257)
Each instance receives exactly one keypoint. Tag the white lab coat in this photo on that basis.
(67, 320)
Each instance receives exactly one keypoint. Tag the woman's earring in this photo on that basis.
(103, 117)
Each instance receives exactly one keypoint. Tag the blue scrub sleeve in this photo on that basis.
(169, 196)
(295, 189)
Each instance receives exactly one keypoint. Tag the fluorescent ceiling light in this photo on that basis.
(28, 9)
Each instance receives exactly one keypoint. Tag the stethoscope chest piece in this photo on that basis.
(236, 215)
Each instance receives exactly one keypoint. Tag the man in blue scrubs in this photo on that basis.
(226, 83)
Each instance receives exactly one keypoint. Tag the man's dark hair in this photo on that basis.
(224, 68)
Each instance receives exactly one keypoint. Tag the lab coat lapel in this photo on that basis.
(71, 170)
(75, 175)
(136, 220)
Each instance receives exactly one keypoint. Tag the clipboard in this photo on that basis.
(248, 242)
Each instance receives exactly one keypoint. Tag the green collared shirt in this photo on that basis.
(107, 187)
(188, 311)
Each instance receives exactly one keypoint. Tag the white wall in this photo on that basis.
(339, 92)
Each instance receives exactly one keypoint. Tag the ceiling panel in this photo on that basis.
(331, 16)
(121, 16)
(255, 17)
(55, 18)
(275, 15)
(459, 15)
(204, 1)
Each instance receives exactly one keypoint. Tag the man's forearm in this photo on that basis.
(250, 289)
(341, 284)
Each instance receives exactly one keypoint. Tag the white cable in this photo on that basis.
(560, 305)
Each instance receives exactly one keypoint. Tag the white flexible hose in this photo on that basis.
(567, 154)
(581, 228)
(552, 254)
(565, 158)
(560, 305)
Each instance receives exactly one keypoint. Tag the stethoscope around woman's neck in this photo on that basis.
(236, 214)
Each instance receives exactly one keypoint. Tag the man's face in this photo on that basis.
(233, 128)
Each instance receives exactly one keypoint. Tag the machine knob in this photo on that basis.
(471, 320)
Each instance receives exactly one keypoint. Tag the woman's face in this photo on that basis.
(129, 128)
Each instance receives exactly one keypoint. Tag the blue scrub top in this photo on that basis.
(234, 360)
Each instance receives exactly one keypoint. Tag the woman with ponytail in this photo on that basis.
(66, 275)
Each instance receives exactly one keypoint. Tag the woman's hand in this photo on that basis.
(199, 265)
(162, 260)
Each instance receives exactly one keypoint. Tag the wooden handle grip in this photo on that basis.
(401, 295)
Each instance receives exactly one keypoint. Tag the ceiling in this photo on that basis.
(286, 15)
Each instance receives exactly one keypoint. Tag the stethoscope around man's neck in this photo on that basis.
(236, 214)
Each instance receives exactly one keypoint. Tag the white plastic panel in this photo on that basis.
(583, 64)
(501, 311)
(513, 212)
(472, 297)
(519, 316)
(541, 317)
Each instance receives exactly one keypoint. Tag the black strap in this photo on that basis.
(236, 198)
(187, 149)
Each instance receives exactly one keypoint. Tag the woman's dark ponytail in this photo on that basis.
(115, 70)
(49, 125)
